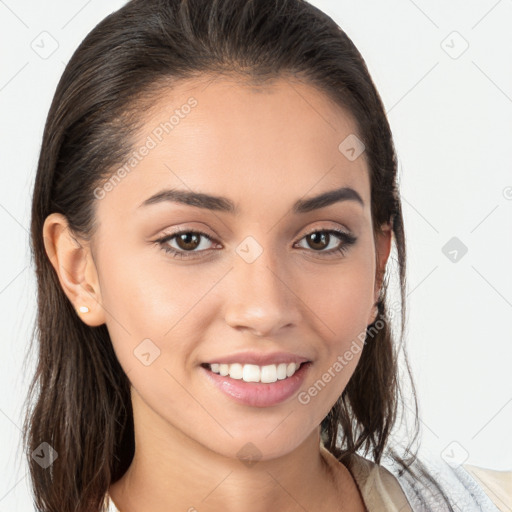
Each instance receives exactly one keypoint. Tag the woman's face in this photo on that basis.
(256, 285)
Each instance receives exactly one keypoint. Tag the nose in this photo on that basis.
(261, 297)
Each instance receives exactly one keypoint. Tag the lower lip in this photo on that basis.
(258, 394)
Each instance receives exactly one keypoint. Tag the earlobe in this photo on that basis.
(75, 268)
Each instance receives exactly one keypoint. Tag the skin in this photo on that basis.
(263, 148)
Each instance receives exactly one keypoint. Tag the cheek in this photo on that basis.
(341, 297)
(342, 301)
(145, 298)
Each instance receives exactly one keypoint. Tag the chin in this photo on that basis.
(262, 443)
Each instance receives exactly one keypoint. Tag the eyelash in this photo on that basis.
(347, 240)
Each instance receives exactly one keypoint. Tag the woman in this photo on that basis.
(213, 215)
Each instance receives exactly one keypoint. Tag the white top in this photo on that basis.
(383, 489)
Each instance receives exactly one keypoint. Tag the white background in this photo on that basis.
(451, 119)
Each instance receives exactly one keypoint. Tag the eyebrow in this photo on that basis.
(223, 204)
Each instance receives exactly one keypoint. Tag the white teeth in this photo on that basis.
(281, 371)
(251, 373)
(254, 373)
(269, 373)
(235, 371)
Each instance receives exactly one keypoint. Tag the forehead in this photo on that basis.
(254, 143)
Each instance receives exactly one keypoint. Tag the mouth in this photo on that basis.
(257, 385)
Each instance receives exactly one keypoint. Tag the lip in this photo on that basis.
(259, 358)
(258, 394)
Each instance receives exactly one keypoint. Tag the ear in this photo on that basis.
(72, 260)
(382, 250)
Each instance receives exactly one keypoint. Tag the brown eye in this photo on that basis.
(186, 244)
(188, 241)
(318, 240)
(328, 242)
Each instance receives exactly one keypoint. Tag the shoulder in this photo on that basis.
(430, 483)
(380, 489)
(496, 484)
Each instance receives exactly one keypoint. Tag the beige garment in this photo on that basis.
(379, 489)
(496, 484)
(382, 492)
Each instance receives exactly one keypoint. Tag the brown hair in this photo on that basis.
(79, 400)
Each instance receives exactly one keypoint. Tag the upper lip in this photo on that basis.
(260, 359)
